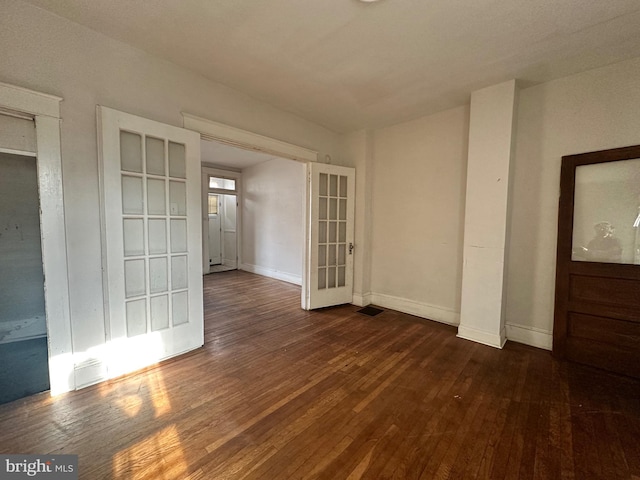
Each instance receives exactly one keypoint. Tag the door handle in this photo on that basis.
(351, 247)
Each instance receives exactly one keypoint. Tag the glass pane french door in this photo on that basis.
(332, 190)
(152, 231)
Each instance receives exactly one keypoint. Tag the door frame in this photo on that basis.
(210, 130)
(230, 174)
(45, 110)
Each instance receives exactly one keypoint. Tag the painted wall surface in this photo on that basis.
(273, 200)
(418, 200)
(357, 152)
(591, 111)
(22, 280)
(88, 69)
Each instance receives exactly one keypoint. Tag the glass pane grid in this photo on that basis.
(154, 191)
(332, 231)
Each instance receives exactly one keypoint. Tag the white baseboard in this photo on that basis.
(268, 272)
(534, 337)
(361, 300)
(419, 309)
(479, 336)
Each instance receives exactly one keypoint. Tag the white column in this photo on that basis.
(491, 135)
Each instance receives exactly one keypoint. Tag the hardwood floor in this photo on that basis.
(279, 393)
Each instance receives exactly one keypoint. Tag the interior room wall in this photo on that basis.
(418, 195)
(594, 110)
(357, 152)
(273, 199)
(44, 52)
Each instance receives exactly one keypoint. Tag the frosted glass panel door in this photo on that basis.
(606, 216)
(597, 311)
(330, 273)
(152, 230)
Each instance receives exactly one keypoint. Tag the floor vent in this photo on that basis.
(370, 311)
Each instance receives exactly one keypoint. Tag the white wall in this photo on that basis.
(418, 192)
(595, 110)
(418, 195)
(47, 53)
(357, 152)
(273, 199)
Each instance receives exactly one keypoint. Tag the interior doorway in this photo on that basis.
(221, 239)
(23, 328)
(254, 212)
(298, 163)
(223, 232)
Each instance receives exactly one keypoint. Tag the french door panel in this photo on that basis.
(152, 234)
(331, 221)
(597, 312)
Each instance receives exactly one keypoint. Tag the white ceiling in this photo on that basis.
(348, 65)
(222, 155)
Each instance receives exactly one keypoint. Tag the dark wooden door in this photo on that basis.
(597, 310)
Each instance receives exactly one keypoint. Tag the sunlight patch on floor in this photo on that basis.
(159, 456)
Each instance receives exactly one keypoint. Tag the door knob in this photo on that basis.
(351, 247)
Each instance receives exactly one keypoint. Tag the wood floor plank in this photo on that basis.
(280, 393)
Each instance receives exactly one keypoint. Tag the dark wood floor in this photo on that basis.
(279, 393)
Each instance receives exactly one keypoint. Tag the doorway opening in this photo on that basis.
(23, 329)
(222, 228)
(317, 208)
(254, 204)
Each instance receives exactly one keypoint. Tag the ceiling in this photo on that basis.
(221, 155)
(349, 65)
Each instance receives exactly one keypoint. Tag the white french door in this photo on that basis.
(152, 232)
(229, 231)
(331, 233)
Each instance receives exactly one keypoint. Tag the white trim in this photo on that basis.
(272, 273)
(361, 300)
(306, 254)
(46, 111)
(248, 140)
(534, 337)
(419, 309)
(479, 336)
(23, 100)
